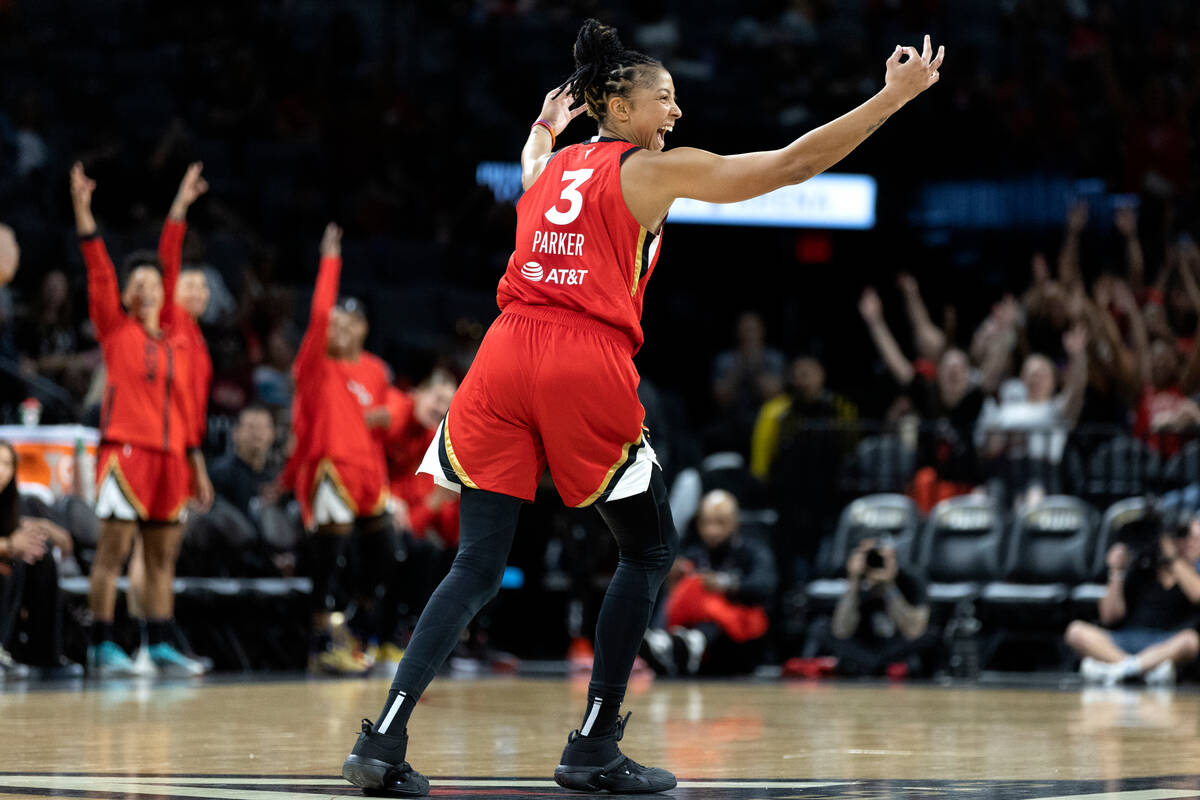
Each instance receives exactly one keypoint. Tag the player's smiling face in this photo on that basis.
(143, 294)
(650, 111)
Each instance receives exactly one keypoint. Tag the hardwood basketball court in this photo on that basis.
(501, 737)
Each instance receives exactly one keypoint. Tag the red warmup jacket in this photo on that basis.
(148, 398)
(333, 395)
(170, 255)
(405, 443)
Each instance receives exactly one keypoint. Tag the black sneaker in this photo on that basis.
(377, 766)
(595, 763)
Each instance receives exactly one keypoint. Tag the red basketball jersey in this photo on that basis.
(578, 246)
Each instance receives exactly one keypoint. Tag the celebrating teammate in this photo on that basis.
(181, 320)
(337, 468)
(554, 382)
(149, 460)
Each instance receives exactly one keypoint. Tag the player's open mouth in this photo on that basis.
(662, 134)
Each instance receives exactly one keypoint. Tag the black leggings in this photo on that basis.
(647, 542)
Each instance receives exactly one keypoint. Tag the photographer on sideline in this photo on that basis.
(1149, 610)
(881, 623)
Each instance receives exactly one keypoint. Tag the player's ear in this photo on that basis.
(618, 107)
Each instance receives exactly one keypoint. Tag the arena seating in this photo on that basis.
(892, 518)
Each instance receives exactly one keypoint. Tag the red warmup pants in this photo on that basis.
(690, 604)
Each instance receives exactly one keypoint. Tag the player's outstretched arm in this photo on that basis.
(329, 275)
(82, 188)
(170, 242)
(104, 298)
(697, 174)
(556, 113)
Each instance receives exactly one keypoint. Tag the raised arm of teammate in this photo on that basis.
(104, 296)
(312, 348)
(170, 243)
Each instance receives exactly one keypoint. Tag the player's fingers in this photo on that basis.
(927, 50)
(576, 112)
(937, 61)
(894, 58)
(912, 54)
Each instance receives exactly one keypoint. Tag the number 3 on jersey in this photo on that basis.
(571, 195)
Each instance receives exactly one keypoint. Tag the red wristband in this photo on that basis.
(548, 127)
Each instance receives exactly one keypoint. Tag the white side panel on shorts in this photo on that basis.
(328, 506)
(431, 462)
(637, 478)
(111, 502)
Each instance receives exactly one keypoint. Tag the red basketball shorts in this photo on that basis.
(549, 387)
(141, 485)
(334, 493)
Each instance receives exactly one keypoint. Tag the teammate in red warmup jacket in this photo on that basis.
(189, 288)
(554, 384)
(421, 506)
(149, 461)
(337, 468)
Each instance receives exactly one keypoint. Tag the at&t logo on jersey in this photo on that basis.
(570, 277)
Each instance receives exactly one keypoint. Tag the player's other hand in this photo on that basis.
(908, 73)
(556, 109)
(193, 184)
(377, 417)
(331, 242)
(81, 186)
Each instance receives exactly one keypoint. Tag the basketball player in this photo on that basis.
(413, 420)
(554, 382)
(149, 460)
(337, 468)
(189, 287)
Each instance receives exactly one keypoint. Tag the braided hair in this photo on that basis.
(603, 67)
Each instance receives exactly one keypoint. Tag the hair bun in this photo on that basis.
(597, 45)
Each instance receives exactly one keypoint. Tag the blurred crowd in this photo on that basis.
(303, 113)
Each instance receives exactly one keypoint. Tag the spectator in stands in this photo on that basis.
(742, 379)
(245, 478)
(1165, 383)
(1149, 611)
(715, 612)
(881, 624)
(29, 599)
(50, 339)
(797, 436)
(950, 403)
(11, 391)
(248, 528)
(1023, 436)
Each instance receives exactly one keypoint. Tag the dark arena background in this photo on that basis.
(930, 421)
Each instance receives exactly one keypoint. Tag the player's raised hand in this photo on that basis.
(912, 75)
(81, 199)
(190, 188)
(331, 242)
(81, 187)
(556, 109)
